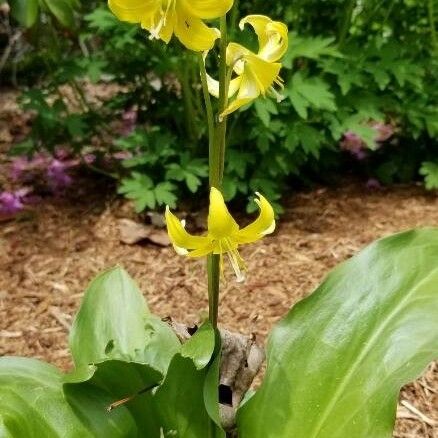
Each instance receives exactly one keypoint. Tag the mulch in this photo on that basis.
(49, 255)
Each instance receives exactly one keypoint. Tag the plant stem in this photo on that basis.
(213, 269)
(346, 22)
(433, 32)
(216, 161)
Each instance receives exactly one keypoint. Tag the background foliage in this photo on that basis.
(360, 96)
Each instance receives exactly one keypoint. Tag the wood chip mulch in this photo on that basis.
(48, 257)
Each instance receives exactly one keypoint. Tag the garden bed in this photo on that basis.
(49, 255)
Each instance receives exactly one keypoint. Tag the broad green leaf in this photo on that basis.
(200, 347)
(33, 405)
(25, 11)
(337, 361)
(211, 385)
(62, 10)
(114, 322)
(138, 382)
(180, 404)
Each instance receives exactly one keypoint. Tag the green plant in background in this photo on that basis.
(336, 362)
(348, 74)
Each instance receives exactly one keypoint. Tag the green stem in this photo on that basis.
(216, 158)
(223, 101)
(433, 32)
(346, 22)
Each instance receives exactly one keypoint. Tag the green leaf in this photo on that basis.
(200, 347)
(315, 92)
(62, 11)
(164, 194)
(139, 188)
(336, 363)
(114, 322)
(180, 402)
(264, 109)
(430, 172)
(138, 382)
(25, 11)
(211, 392)
(32, 404)
(312, 48)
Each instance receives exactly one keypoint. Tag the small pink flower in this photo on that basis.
(383, 131)
(373, 184)
(354, 144)
(129, 118)
(122, 155)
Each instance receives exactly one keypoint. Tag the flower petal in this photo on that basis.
(180, 237)
(220, 222)
(208, 9)
(272, 36)
(213, 86)
(192, 32)
(133, 11)
(202, 252)
(263, 225)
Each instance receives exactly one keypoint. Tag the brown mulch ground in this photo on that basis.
(48, 257)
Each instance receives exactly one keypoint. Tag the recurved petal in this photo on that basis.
(220, 222)
(208, 9)
(258, 23)
(133, 11)
(179, 237)
(272, 36)
(263, 225)
(193, 32)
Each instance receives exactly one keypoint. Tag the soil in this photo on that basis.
(49, 255)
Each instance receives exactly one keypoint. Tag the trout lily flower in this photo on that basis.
(184, 18)
(257, 73)
(224, 235)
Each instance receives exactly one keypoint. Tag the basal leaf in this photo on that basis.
(336, 363)
(180, 402)
(114, 323)
(33, 405)
(200, 347)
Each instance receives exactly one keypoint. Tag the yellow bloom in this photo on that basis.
(163, 18)
(256, 73)
(224, 235)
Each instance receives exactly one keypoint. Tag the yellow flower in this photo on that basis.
(224, 235)
(256, 73)
(163, 18)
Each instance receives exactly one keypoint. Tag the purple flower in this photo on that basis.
(129, 118)
(13, 202)
(122, 155)
(373, 184)
(57, 176)
(89, 158)
(354, 144)
(383, 131)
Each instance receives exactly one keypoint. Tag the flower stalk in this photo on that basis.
(216, 164)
